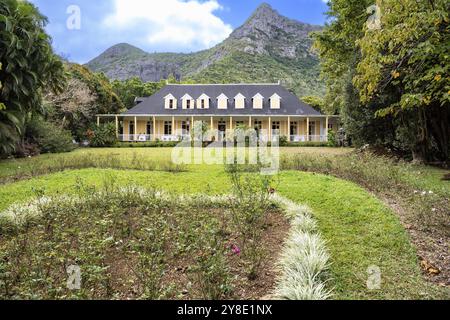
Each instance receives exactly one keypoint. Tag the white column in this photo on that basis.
(270, 129)
(135, 128)
(289, 129)
(307, 129)
(173, 126)
(117, 127)
(154, 129)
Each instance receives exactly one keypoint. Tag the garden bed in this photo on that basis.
(134, 244)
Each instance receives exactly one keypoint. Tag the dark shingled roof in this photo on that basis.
(290, 104)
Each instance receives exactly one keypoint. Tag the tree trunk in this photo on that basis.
(420, 150)
(440, 130)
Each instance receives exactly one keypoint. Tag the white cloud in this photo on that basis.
(189, 24)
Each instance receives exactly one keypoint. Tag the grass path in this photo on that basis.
(359, 229)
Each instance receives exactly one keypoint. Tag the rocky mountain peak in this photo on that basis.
(123, 49)
(266, 48)
(266, 21)
(268, 32)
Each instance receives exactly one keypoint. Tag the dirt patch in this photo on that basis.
(276, 231)
(139, 246)
(431, 242)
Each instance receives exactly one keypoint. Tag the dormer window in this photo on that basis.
(222, 102)
(170, 102)
(275, 101)
(258, 101)
(188, 102)
(203, 102)
(239, 101)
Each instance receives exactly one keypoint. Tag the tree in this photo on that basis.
(409, 57)
(391, 85)
(85, 95)
(337, 48)
(29, 66)
(129, 89)
(315, 102)
(2, 106)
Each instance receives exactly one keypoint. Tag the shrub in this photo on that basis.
(332, 141)
(48, 137)
(210, 270)
(283, 141)
(150, 144)
(249, 205)
(307, 144)
(102, 136)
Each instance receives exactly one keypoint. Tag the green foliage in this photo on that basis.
(48, 137)
(317, 103)
(121, 238)
(85, 95)
(103, 135)
(151, 144)
(344, 211)
(409, 58)
(337, 49)
(283, 141)
(240, 67)
(389, 84)
(29, 66)
(107, 100)
(251, 202)
(2, 105)
(128, 90)
(332, 139)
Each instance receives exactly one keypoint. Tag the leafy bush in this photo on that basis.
(283, 141)
(152, 144)
(48, 137)
(250, 204)
(102, 136)
(307, 144)
(332, 141)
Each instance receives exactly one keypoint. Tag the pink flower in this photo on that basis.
(236, 250)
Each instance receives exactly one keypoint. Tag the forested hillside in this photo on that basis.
(267, 48)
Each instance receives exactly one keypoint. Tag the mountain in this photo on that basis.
(267, 48)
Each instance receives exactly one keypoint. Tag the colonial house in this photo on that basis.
(168, 115)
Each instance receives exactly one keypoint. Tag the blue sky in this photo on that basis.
(156, 25)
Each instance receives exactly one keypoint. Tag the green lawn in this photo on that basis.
(360, 230)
